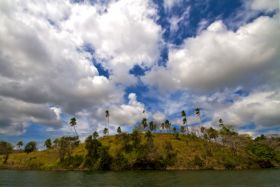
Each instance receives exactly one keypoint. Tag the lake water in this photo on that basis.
(254, 178)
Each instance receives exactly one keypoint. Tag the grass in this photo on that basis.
(192, 153)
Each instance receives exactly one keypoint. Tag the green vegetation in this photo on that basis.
(149, 146)
(30, 147)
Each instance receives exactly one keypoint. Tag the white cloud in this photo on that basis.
(168, 4)
(219, 57)
(42, 62)
(125, 114)
(268, 5)
(159, 117)
(123, 35)
(260, 107)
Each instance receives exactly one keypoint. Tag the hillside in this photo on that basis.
(165, 151)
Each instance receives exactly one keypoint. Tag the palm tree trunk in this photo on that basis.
(75, 131)
(108, 125)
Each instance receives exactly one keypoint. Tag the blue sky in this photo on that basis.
(80, 58)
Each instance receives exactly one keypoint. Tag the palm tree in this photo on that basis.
(174, 130)
(144, 123)
(73, 123)
(19, 144)
(182, 129)
(197, 111)
(151, 126)
(105, 131)
(107, 115)
(221, 122)
(95, 135)
(184, 116)
(162, 126)
(167, 124)
(48, 143)
(149, 138)
(119, 130)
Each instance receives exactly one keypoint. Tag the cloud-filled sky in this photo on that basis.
(67, 58)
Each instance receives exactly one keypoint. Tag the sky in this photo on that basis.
(60, 59)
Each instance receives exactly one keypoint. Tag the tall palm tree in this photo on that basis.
(197, 113)
(167, 124)
(107, 115)
(73, 123)
(162, 126)
(144, 123)
(174, 130)
(119, 130)
(151, 126)
(221, 122)
(182, 129)
(184, 120)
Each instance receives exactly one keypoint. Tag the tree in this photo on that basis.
(65, 146)
(197, 111)
(48, 143)
(107, 115)
(92, 146)
(19, 144)
(73, 123)
(119, 130)
(152, 126)
(95, 135)
(212, 133)
(105, 131)
(149, 138)
(182, 129)
(221, 122)
(174, 129)
(162, 126)
(5, 149)
(184, 119)
(167, 124)
(136, 138)
(30, 147)
(144, 123)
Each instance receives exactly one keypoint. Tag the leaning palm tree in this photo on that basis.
(107, 115)
(73, 123)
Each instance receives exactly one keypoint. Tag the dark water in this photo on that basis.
(254, 178)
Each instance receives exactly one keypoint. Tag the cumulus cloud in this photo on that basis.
(44, 69)
(125, 114)
(123, 35)
(219, 57)
(260, 107)
(267, 5)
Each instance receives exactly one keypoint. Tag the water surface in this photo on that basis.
(248, 178)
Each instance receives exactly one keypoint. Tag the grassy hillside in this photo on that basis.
(189, 152)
